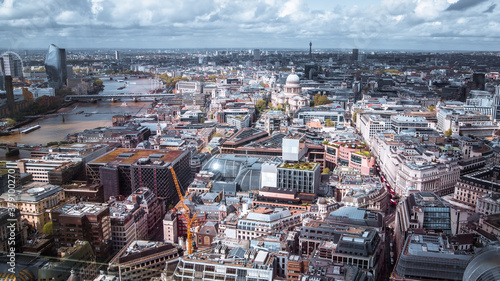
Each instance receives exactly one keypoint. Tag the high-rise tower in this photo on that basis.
(55, 66)
(310, 50)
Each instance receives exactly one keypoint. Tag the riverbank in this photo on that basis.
(30, 120)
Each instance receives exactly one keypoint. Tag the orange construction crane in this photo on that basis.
(191, 219)
(189, 240)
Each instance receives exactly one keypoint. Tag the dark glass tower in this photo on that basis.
(55, 66)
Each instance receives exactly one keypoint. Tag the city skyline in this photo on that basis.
(465, 25)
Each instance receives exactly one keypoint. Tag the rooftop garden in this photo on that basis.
(364, 153)
(300, 166)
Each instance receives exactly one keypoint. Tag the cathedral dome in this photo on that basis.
(293, 78)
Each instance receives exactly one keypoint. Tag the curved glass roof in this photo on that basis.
(249, 178)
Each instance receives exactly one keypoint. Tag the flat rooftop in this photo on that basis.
(127, 156)
(81, 209)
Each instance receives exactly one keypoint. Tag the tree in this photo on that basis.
(11, 122)
(261, 105)
(263, 85)
(431, 108)
(329, 123)
(97, 82)
(448, 132)
(217, 135)
(321, 100)
(48, 228)
(326, 171)
(325, 142)
(202, 120)
(354, 117)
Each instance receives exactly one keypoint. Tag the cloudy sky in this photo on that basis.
(363, 24)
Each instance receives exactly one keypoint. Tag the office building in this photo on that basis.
(33, 200)
(76, 261)
(429, 257)
(11, 65)
(49, 171)
(264, 221)
(473, 186)
(426, 211)
(128, 223)
(55, 66)
(83, 221)
(123, 171)
(256, 55)
(355, 155)
(154, 208)
(142, 260)
(6, 218)
(224, 263)
(355, 54)
(117, 55)
(351, 245)
(301, 177)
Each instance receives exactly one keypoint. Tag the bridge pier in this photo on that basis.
(92, 99)
(135, 99)
(112, 99)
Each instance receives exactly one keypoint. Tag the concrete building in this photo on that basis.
(11, 64)
(83, 221)
(170, 228)
(33, 200)
(370, 124)
(154, 208)
(142, 260)
(6, 230)
(401, 123)
(263, 221)
(367, 192)
(53, 171)
(424, 176)
(350, 245)
(129, 222)
(351, 154)
(128, 136)
(307, 114)
(76, 261)
(239, 121)
(426, 257)
(300, 177)
(224, 263)
(426, 211)
(473, 186)
(488, 204)
(123, 171)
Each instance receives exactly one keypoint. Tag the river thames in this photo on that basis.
(94, 114)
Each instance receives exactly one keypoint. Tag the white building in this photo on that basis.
(263, 222)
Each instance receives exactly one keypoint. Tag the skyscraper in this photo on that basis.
(55, 66)
(117, 55)
(310, 49)
(11, 64)
(355, 53)
(10, 94)
(256, 55)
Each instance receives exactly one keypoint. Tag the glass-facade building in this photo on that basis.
(55, 67)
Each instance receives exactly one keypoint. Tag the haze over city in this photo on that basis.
(382, 24)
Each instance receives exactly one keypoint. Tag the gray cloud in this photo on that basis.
(394, 24)
(490, 9)
(463, 5)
